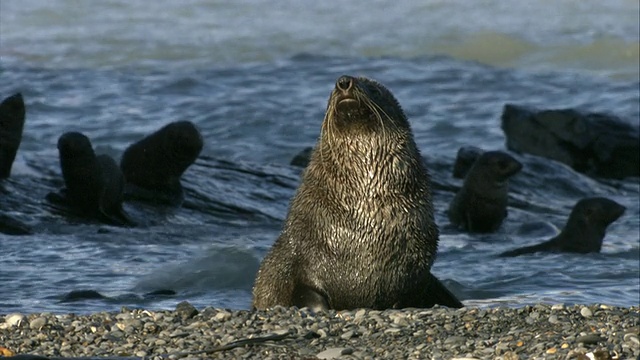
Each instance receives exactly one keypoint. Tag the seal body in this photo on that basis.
(12, 115)
(93, 184)
(584, 231)
(153, 166)
(481, 203)
(360, 231)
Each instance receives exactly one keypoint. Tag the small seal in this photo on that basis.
(584, 230)
(153, 166)
(481, 204)
(12, 115)
(94, 184)
(360, 231)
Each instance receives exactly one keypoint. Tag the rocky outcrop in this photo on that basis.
(596, 144)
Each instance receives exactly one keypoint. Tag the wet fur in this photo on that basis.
(360, 230)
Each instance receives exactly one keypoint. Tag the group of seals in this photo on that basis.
(150, 169)
(481, 204)
(360, 231)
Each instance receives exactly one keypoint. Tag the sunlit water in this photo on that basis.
(255, 77)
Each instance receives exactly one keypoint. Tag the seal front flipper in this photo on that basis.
(12, 115)
(306, 296)
(438, 294)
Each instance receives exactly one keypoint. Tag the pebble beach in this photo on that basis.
(529, 332)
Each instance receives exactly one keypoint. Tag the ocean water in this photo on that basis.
(255, 76)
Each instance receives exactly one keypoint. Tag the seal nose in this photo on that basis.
(344, 83)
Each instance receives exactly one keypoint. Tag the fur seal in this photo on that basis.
(12, 115)
(584, 231)
(360, 231)
(481, 204)
(94, 184)
(153, 166)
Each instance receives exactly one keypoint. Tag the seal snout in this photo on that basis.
(344, 88)
(344, 83)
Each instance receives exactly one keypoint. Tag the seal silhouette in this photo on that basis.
(481, 204)
(93, 184)
(153, 166)
(584, 231)
(360, 230)
(12, 115)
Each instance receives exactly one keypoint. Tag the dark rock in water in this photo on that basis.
(11, 226)
(160, 293)
(584, 230)
(302, 158)
(80, 295)
(94, 184)
(465, 158)
(481, 204)
(185, 310)
(153, 166)
(12, 115)
(592, 143)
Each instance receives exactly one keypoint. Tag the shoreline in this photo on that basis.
(531, 332)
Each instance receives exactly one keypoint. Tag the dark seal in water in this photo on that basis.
(360, 231)
(481, 204)
(12, 114)
(584, 230)
(94, 184)
(153, 166)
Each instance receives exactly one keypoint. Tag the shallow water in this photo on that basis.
(255, 79)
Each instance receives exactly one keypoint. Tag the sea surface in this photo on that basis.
(255, 76)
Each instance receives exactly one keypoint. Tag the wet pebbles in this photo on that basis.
(530, 332)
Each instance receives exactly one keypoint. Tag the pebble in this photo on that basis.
(14, 319)
(631, 337)
(334, 353)
(586, 312)
(437, 333)
(589, 339)
(38, 323)
(186, 310)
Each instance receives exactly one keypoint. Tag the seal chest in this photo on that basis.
(360, 230)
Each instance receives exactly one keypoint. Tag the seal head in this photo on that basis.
(153, 166)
